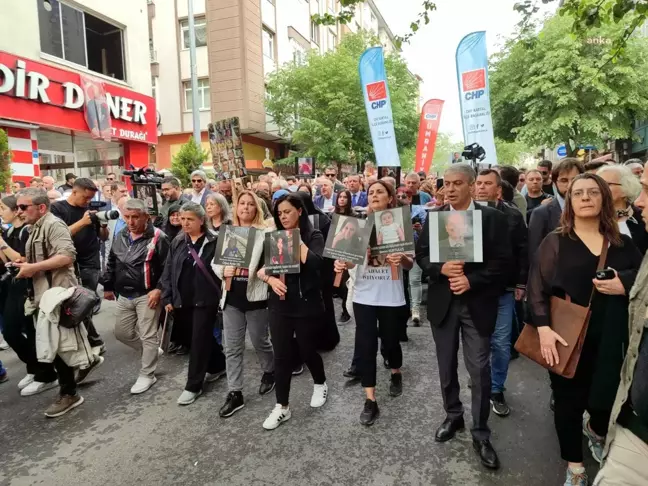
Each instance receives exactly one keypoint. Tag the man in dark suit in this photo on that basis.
(326, 199)
(464, 297)
(200, 189)
(489, 191)
(546, 218)
(358, 196)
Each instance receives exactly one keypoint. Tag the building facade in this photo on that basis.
(75, 86)
(238, 43)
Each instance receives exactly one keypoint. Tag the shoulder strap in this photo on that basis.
(601, 264)
(201, 266)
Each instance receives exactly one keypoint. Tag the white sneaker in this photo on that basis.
(320, 392)
(276, 417)
(27, 380)
(3, 344)
(187, 397)
(36, 387)
(142, 384)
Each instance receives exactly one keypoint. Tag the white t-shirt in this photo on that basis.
(374, 286)
(389, 234)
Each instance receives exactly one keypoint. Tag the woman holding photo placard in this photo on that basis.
(378, 303)
(245, 306)
(294, 307)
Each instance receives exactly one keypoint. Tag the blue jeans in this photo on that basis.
(2, 370)
(501, 342)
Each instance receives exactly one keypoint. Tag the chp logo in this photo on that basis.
(474, 84)
(431, 116)
(377, 94)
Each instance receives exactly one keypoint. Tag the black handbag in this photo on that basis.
(78, 307)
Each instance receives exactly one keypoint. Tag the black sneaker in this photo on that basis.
(345, 317)
(500, 407)
(267, 383)
(396, 385)
(298, 370)
(233, 404)
(182, 350)
(352, 373)
(82, 374)
(370, 412)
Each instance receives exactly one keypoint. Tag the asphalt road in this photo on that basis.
(117, 438)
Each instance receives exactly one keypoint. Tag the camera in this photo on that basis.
(102, 216)
(10, 272)
(144, 176)
(474, 152)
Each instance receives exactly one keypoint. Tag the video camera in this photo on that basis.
(474, 152)
(145, 176)
(102, 216)
(10, 272)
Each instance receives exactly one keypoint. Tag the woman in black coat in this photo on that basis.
(192, 292)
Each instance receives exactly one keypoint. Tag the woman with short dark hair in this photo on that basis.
(565, 267)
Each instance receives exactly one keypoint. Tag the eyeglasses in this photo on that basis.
(23, 207)
(614, 184)
(579, 193)
(197, 180)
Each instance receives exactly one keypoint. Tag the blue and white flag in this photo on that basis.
(377, 103)
(474, 93)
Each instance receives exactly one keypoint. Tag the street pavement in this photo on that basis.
(116, 438)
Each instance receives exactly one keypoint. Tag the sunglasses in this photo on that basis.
(23, 207)
(197, 180)
(330, 175)
(403, 196)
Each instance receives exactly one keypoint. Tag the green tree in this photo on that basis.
(5, 161)
(320, 104)
(512, 153)
(563, 94)
(190, 157)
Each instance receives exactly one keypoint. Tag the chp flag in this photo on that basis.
(474, 93)
(428, 130)
(373, 79)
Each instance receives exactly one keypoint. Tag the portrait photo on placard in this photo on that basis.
(348, 239)
(281, 252)
(305, 166)
(455, 236)
(234, 246)
(392, 231)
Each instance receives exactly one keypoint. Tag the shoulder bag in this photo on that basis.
(570, 321)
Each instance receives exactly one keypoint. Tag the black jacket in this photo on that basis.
(519, 245)
(208, 290)
(638, 230)
(544, 219)
(487, 280)
(135, 268)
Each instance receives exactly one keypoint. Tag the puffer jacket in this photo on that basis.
(135, 268)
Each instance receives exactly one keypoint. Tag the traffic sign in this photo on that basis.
(562, 151)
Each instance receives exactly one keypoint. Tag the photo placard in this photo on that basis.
(456, 236)
(147, 193)
(234, 246)
(281, 252)
(305, 167)
(348, 239)
(392, 231)
(226, 146)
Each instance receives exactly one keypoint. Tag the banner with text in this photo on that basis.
(474, 93)
(428, 130)
(377, 103)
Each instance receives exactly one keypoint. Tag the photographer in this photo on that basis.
(86, 230)
(50, 255)
(19, 329)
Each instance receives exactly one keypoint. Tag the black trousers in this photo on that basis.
(282, 330)
(373, 322)
(571, 400)
(90, 280)
(20, 334)
(65, 377)
(476, 351)
(206, 354)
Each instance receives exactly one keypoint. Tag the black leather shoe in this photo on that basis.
(267, 383)
(352, 373)
(486, 453)
(370, 412)
(396, 385)
(448, 429)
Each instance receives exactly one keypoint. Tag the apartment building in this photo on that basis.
(238, 43)
(49, 51)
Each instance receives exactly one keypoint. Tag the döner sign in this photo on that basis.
(34, 86)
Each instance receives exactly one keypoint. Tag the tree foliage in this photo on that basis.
(190, 157)
(563, 94)
(5, 162)
(512, 153)
(320, 104)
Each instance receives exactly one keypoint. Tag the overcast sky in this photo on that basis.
(431, 52)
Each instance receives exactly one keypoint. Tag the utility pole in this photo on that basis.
(194, 75)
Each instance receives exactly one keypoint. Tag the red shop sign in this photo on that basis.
(33, 92)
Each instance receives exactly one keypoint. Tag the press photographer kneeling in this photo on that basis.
(49, 263)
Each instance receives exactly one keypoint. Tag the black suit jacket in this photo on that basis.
(544, 219)
(638, 230)
(487, 279)
(519, 242)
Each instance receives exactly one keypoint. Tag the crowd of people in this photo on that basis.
(546, 234)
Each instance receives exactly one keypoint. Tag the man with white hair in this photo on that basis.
(135, 265)
(199, 185)
(48, 183)
(413, 183)
(636, 166)
(326, 200)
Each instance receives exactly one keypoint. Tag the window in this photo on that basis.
(200, 29)
(268, 44)
(315, 33)
(331, 6)
(332, 39)
(76, 36)
(203, 95)
(299, 53)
